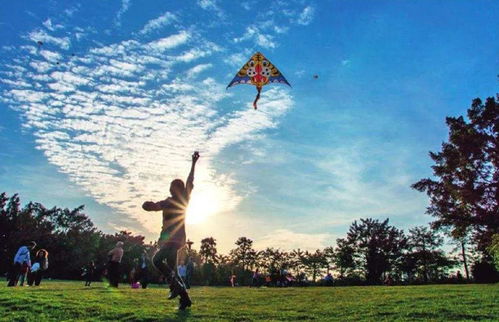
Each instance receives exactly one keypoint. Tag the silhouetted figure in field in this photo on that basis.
(88, 273)
(41, 265)
(22, 259)
(113, 269)
(255, 279)
(189, 272)
(459, 277)
(143, 270)
(172, 236)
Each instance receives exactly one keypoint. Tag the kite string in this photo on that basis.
(259, 89)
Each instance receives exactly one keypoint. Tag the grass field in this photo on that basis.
(70, 301)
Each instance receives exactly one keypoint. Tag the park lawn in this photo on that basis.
(71, 301)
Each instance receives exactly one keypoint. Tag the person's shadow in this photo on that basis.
(183, 315)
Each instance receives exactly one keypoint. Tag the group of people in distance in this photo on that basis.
(22, 267)
(171, 240)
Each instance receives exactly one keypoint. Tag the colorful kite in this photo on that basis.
(258, 71)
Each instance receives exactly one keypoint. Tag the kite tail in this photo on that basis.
(259, 89)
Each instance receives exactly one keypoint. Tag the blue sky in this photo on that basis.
(107, 111)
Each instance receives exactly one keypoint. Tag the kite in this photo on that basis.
(258, 71)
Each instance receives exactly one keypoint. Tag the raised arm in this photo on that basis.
(189, 184)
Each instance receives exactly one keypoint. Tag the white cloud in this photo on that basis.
(306, 16)
(211, 5)
(48, 24)
(155, 24)
(258, 37)
(125, 5)
(194, 71)
(41, 35)
(287, 240)
(166, 43)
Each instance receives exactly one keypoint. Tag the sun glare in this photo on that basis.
(202, 205)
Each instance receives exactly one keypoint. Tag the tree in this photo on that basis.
(428, 259)
(314, 262)
(377, 247)
(208, 250)
(465, 192)
(272, 260)
(244, 254)
(493, 249)
(329, 254)
(344, 257)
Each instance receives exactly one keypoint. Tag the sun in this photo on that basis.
(202, 205)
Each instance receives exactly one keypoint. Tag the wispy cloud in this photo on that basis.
(158, 23)
(306, 16)
(211, 5)
(125, 5)
(258, 37)
(43, 36)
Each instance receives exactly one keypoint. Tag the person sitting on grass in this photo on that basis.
(172, 237)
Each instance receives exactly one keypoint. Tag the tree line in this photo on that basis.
(463, 199)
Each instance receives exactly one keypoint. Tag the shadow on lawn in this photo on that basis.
(182, 315)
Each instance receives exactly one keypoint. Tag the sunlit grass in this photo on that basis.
(65, 301)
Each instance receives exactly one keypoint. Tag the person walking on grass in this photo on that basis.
(41, 265)
(88, 273)
(22, 259)
(172, 237)
(115, 256)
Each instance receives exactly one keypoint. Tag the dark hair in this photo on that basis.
(42, 251)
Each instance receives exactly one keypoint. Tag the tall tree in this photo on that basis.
(244, 254)
(314, 262)
(344, 257)
(208, 250)
(465, 192)
(377, 247)
(424, 246)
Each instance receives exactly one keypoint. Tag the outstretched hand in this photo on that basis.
(195, 156)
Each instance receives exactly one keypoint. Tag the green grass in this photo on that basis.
(70, 301)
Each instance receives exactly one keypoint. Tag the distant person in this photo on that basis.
(182, 272)
(41, 264)
(328, 280)
(22, 259)
(232, 280)
(189, 272)
(143, 270)
(89, 272)
(115, 256)
(268, 280)
(172, 236)
(459, 277)
(254, 279)
(388, 280)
